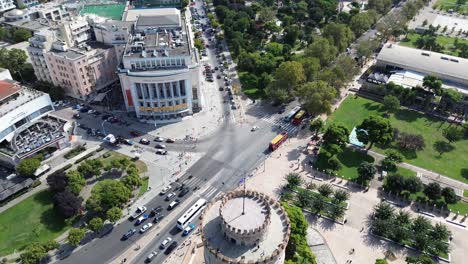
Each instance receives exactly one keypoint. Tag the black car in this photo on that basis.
(184, 192)
(158, 218)
(105, 117)
(156, 211)
(77, 116)
(171, 247)
(85, 110)
(129, 233)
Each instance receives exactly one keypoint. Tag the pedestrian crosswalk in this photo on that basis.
(207, 191)
(278, 121)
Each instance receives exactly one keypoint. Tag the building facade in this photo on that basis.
(160, 73)
(39, 44)
(6, 5)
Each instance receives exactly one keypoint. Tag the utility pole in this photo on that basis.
(243, 199)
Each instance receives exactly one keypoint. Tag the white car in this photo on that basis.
(151, 256)
(146, 227)
(161, 152)
(254, 128)
(91, 111)
(165, 242)
(170, 196)
(166, 189)
(159, 139)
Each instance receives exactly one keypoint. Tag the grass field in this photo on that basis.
(32, 220)
(460, 207)
(144, 187)
(112, 11)
(116, 155)
(465, 193)
(350, 160)
(445, 42)
(453, 164)
(451, 4)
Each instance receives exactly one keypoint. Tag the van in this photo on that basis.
(173, 204)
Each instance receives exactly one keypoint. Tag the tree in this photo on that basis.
(340, 35)
(13, 60)
(76, 182)
(107, 194)
(323, 50)
(410, 142)
(318, 204)
(360, 23)
(366, 171)
(341, 196)
(317, 97)
(421, 259)
(449, 195)
(432, 83)
(381, 6)
(366, 48)
(452, 134)
(28, 167)
(394, 155)
(315, 125)
(114, 214)
(325, 190)
(394, 183)
(381, 261)
(391, 103)
(57, 181)
(50, 245)
(91, 168)
(375, 129)
(198, 43)
(304, 197)
(67, 203)
(433, 191)
(442, 147)
(440, 232)
(289, 75)
(33, 254)
(132, 181)
(311, 67)
(333, 164)
(413, 184)
(95, 224)
(336, 134)
(388, 165)
(75, 235)
(384, 211)
(21, 34)
(294, 180)
(336, 211)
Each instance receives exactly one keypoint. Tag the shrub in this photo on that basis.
(28, 166)
(84, 157)
(68, 166)
(72, 153)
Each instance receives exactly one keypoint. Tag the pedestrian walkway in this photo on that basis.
(319, 247)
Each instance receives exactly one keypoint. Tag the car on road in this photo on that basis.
(170, 140)
(77, 116)
(171, 247)
(135, 133)
(141, 219)
(129, 233)
(84, 110)
(170, 196)
(173, 204)
(158, 218)
(159, 139)
(156, 211)
(188, 229)
(160, 146)
(221, 88)
(281, 109)
(161, 152)
(128, 142)
(166, 189)
(183, 192)
(146, 227)
(144, 141)
(91, 111)
(139, 211)
(151, 256)
(254, 128)
(165, 243)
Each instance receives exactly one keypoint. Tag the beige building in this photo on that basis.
(40, 44)
(81, 71)
(113, 33)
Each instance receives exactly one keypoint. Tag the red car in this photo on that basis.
(135, 133)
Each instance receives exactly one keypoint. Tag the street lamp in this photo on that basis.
(103, 129)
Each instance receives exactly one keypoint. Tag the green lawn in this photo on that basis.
(144, 187)
(32, 220)
(116, 155)
(451, 4)
(465, 193)
(453, 164)
(405, 172)
(460, 207)
(350, 160)
(445, 42)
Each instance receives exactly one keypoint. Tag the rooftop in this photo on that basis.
(91, 49)
(35, 25)
(253, 218)
(14, 96)
(424, 61)
(7, 89)
(154, 16)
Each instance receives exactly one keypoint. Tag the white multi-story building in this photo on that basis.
(40, 44)
(6, 5)
(113, 33)
(160, 73)
(75, 31)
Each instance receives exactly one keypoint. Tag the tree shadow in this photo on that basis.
(407, 115)
(408, 154)
(52, 220)
(464, 173)
(442, 147)
(294, 154)
(373, 107)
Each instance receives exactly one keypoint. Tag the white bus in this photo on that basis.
(191, 213)
(292, 113)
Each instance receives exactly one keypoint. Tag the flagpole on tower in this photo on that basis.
(243, 200)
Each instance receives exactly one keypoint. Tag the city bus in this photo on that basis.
(292, 113)
(191, 213)
(298, 117)
(278, 140)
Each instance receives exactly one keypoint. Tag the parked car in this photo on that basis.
(254, 128)
(156, 211)
(161, 152)
(141, 219)
(160, 146)
(91, 111)
(166, 189)
(146, 227)
(173, 204)
(129, 233)
(139, 211)
(77, 116)
(165, 243)
(129, 142)
(151, 256)
(158, 218)
(171, 247)
(170, 140)
(159, 139)
(184, 191)
(144, 141)
(135, 133)
(188, 229)
(170, 196)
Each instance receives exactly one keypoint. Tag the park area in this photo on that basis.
(112, 11)
(447, 43)
(32, 220)
(447, 5)
(453, 164)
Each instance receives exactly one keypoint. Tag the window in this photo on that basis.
(182, 87)
(174, 89)
(168, 90)
(141, 104)
(161, 91)
(169, 103)
(183, 101)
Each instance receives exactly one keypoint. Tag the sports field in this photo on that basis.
(112, 11)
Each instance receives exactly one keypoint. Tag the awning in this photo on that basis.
(100, 97)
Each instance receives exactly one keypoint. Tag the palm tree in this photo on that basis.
(336, 211)
(341, 196)
(421, 225)
(440, 232)
(384, 211)
(318, 203)
(325, 190)
(294, 180)
(311, 186)
(402, 218)
(304, 197)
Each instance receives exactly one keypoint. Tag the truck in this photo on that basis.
(139, 211)
(278, 140)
